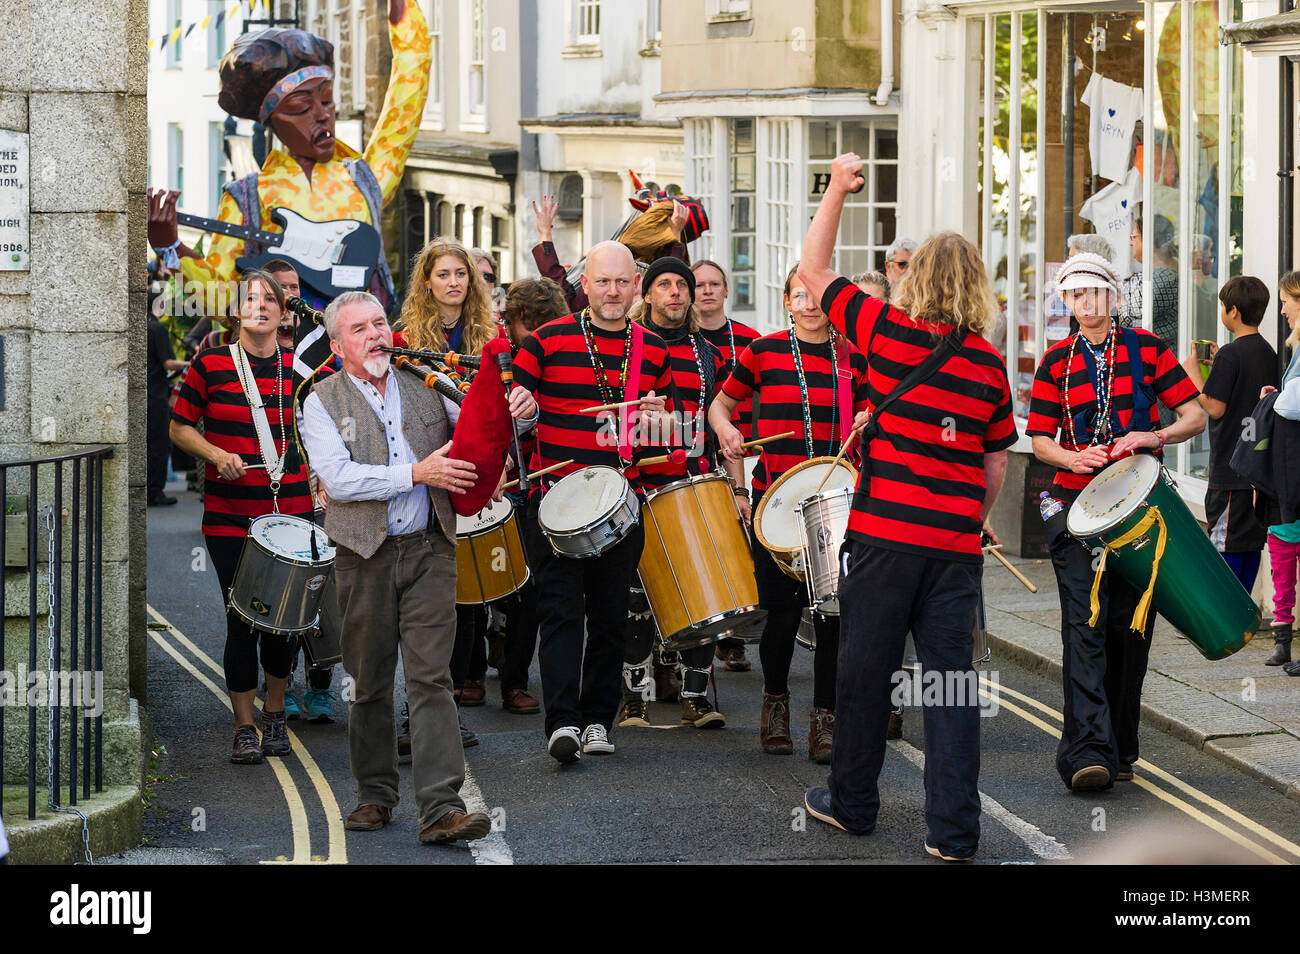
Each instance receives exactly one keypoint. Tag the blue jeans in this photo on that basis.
(884, 594)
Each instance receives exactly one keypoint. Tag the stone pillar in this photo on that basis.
(73, 77)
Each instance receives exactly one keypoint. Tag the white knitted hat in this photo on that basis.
(1087, 270)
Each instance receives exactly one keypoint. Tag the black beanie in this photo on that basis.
(667, 264)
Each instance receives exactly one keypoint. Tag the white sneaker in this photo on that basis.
(595, 741)
(564, 746)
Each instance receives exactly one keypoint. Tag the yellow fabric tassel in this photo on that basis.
(1152, 518)
(1096, 587)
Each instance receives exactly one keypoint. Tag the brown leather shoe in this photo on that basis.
(520, 702)
(454, 825)
(1090, 778)
(472, 694)
(821, 726)
(774, 725)
(368, 818)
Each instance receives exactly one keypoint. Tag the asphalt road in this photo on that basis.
(669, 794)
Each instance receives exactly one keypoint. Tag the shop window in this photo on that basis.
(700, 178)
(742, 152)
(868, 223)
(779, 236)
(433, 105)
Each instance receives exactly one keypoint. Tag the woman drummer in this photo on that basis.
(1089, 408)
(448, 307)
(238, 481)
(810, 380)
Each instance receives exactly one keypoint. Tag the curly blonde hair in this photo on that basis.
(947, 283)
(1290, 283)
(420, 321)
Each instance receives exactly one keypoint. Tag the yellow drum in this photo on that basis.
(778, 522)
(490, 561)
(696, 567)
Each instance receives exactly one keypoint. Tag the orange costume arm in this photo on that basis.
(408, 88)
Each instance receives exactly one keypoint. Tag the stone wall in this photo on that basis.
(73, 76)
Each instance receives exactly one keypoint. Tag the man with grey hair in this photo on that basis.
(897, 257)
(1089, 242)
(378, 443)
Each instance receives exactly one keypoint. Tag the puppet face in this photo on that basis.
(304, 121)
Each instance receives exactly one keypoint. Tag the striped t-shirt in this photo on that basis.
(685, 372)
(211, 393)
(1161, 372)
(766, 370)
(927, 461)
(556, 366)
(732, 339)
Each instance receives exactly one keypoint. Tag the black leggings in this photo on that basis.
(784, 598)
(242, 640)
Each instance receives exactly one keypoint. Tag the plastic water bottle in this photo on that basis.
(1049, 506)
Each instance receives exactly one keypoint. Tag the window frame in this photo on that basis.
(473, 115)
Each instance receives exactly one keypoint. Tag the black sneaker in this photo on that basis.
(275, 733)
(248, 748)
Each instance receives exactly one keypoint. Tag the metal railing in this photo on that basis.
(75, 623)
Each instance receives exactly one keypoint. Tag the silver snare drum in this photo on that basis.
(824, 518)
(324, 645)
(588, 512)
(278, 585)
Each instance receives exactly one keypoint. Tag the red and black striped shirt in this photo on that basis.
(766, 369)
(1160, 371)
(695, 436)
(211, 393)
(732, 339)
(927, 461)
(555, 365)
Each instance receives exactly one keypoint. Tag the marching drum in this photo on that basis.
(806, 634)
(324, 644)
(824, 520)
(279, 584)
(588, 512)
(777, 522)
(1133, 515)
(490, 562)
(696, 567)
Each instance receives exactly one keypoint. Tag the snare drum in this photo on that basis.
(777, 522)
(278, 585)
(490, 561)
(696, 567)
(806, 634)
(324, 645)
(588, 512)
(824, 518)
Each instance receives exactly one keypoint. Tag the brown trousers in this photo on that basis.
(404, 595)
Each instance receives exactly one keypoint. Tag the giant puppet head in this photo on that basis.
(284, 79)
(646, 231)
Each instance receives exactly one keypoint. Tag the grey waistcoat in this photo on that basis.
(362, 525)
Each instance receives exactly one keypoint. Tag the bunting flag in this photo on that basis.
(182, 32)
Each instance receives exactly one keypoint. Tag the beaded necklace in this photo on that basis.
(731, 345)
(607, 396)
(803, 392)
(699, 408)
(1106, 380)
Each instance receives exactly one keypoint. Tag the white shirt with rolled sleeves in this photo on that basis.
(345, 479)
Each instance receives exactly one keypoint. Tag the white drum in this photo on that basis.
(778, 524)
(588, 512)
(279, 584)
(825, 521)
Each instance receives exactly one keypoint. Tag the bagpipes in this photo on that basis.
(646, 230)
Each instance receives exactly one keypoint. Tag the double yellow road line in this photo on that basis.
(1144, 776)
(337, 854)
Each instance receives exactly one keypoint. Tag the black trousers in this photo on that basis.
(1103, 666)
(242, 641)
(580, 685)
(521, 635)
(468, 656)
(158, 445)
(641, 637)
(784, 598)
(884, 594)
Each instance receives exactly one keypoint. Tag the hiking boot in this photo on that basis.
(821, 727)
(697, 711)
(248, 748)
(635, 712)
(275, 733)
(774, 725)
(1281, 646)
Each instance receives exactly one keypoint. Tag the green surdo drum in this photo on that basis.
(1134, 516)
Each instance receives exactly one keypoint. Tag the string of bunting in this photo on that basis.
(182, 33)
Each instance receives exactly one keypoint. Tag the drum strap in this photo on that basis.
(265, 442)
(632, 389)
(1142, 400)
(1152, 518)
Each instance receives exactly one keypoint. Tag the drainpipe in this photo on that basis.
(1286, 187)
(886, 53)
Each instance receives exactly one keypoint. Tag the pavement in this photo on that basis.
(1235, 709)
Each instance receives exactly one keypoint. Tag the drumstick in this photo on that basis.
(538, 473)
(609, 407)
(1014, 572)
(844, 449)
(754, 443)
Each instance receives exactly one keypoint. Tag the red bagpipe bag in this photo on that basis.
(483, 432)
